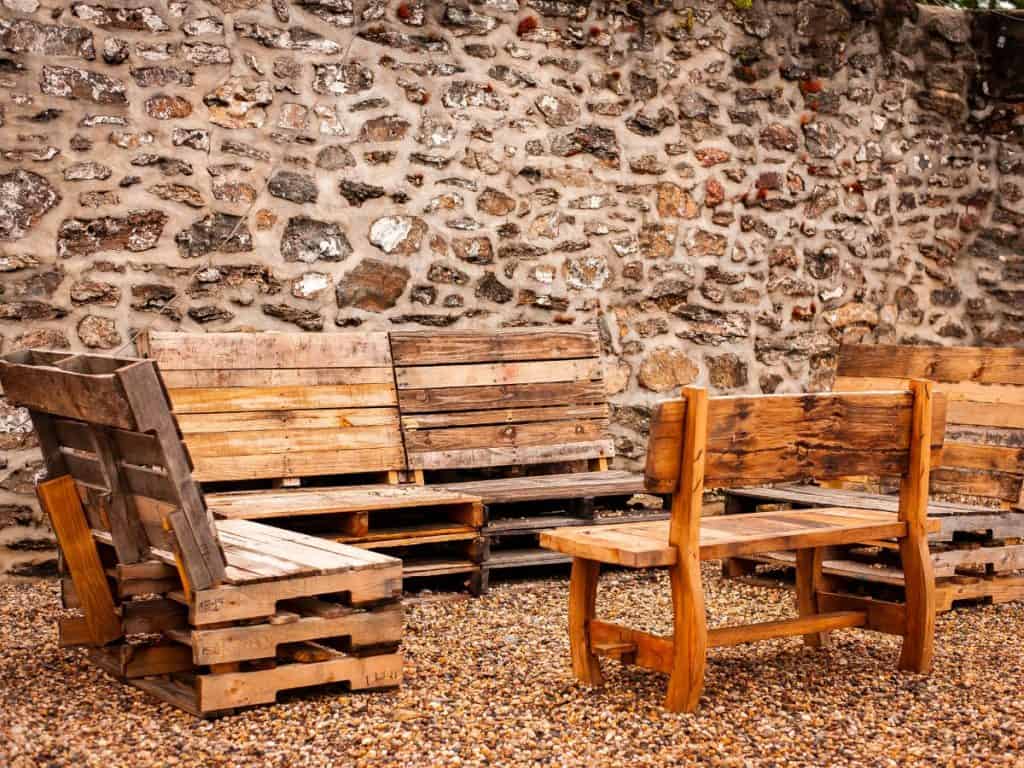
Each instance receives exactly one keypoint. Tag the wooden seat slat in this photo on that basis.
(557, 486)
(646, 544)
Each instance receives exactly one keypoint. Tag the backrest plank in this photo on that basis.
(472, 399)
(140, 454)
(754, 439)
(273, 405)
(983, 387)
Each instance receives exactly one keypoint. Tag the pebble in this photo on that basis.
(488, 684)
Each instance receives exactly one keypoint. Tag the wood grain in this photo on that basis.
(508, 345)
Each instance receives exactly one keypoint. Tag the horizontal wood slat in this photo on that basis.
(133, 447)
(983, 365)
(223, 444)
(196, 351)
(482, 375)
(326, 418)
(505, 416)
(297, 464)
(458, 398)
(238, 399)
(511, 435)
(276, 377)
(139, 480)
(510, 456)
(434, 348)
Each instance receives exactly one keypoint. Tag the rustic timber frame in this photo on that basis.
(696, 443)
(977, 549)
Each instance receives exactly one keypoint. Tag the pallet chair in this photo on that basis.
(699, 442)
(247, 599)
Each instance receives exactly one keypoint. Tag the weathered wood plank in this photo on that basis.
(325, 418)
(466, 398)
(665, 447)
(205, 445)
(132, 447)
(509, 456)
(236, 399)
(508, 345)
(276, 377)
(560, 413)
(298, 464)
(497, 374)
(506, 436)
(193, 351)
(983, 365)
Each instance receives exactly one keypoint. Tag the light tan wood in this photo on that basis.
(275, 377)
(59, 499)
(919, 581)
(198, 351)
(686, 678)
(500, 374)
(306, 463)
(241, 399)
(254, 421)
(582, 596)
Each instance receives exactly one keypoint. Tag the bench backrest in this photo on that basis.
(107, 423)
(471, 399)
(279, 405)
(733, 441)
(750, 440)
(984, 452)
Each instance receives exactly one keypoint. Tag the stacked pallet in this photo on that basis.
(435, 531)
(278, 622)
(208, 616)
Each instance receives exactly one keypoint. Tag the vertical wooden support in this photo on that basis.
(690, 639)
(919, 637)
(130, 539)
(808, 584)
(582, 598)
(59, 499)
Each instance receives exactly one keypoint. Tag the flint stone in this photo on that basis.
(238, 104)
(341, 79)
(294, 187)
(216, 232)
(373, 285)
(31, 37)
(139, 230)
(74, 83)
(309, 240)
(402, 235)
(98, 332)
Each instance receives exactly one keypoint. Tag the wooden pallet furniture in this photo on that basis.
(527, 411)
(976, 484)
(699, 442)
(310, 414)
(242, 611)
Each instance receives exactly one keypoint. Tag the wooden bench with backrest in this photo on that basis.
(977, 480)
(257, 601)
(288, 408)
(518, 405)
(699, 442)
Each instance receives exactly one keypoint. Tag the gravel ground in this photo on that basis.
(488, 683)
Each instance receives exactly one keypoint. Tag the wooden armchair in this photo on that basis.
(699, 442)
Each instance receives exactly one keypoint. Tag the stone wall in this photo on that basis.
(726, 193)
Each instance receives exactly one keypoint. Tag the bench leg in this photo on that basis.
(919, 581)
(690, 638)
(582, 598)
(808, 584)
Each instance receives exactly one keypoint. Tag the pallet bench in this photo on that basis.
(496, 403)
(719, 442)
(242, 610)
(979, 545)
(314, 417)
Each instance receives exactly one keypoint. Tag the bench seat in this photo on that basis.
(645, 545)
(574, 485)
(817, 495)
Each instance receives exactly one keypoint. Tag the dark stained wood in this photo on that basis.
(983, 365)
(501, 396)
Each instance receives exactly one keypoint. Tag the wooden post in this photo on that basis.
(808, 584)
(582, 597)
(919, 579)
(59, 499)
(690, 640)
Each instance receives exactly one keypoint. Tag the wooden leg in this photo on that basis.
(690, 639)
(808, 584)
(919, 580)
(582, 598)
